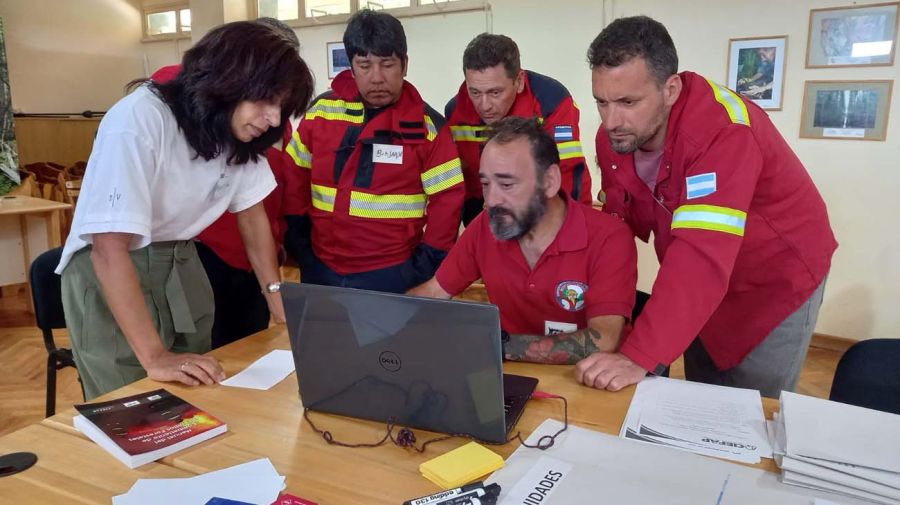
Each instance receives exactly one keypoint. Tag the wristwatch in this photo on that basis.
(272, 287)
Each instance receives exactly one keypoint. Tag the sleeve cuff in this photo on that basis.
(446, 283)
(642, 359)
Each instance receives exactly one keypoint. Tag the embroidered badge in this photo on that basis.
(700, 185)
(570, 295)
(563, 132)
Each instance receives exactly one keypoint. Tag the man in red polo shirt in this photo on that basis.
(562, 273)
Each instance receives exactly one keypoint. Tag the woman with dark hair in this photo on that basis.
(168, 160)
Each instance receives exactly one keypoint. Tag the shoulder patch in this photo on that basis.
(700, 185)
(548, 91)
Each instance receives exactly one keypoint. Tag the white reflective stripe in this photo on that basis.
(736, 109)
(709, 217)
(323, 194)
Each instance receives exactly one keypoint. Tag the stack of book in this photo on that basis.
(830, 446)
(146, 427)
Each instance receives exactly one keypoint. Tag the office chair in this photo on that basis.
(868, 375)
(46, 292)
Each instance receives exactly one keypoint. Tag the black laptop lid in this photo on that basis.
(426, 363)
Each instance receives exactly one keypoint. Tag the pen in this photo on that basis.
(444, 495)
(485, 496)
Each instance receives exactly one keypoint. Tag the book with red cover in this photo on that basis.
(145, 427)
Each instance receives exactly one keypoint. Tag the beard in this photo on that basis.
(507, 225)
(635, 140)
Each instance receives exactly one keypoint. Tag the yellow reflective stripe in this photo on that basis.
(710, 217)
(443, 176)
(299, 152)
(432, 130)
(571, 149)
(736, 108)
(468, 133)
(386, 206)
(337, 110)
(323, 197)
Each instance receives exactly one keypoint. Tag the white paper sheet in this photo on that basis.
(264, 372)
(808, 482)
(839, 432)
(710, 420)
(253, 482)
(607, 469)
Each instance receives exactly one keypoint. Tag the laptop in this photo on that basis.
(425, 363)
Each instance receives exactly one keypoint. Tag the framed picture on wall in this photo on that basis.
(852, 36)
(853, 110)
(337, 59)
(756, 69)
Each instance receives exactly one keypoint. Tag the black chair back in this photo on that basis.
(46, 292)
(868, 375)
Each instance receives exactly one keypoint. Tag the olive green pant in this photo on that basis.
(176, 292)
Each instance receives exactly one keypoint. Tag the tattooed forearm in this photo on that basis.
(559, 349)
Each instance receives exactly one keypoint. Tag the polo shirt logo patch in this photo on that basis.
(570, 295)
(563, 132)
(700, 185)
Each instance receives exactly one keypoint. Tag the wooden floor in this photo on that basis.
(23, 368)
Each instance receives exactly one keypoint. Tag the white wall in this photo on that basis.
(77, 55)
(71, 56)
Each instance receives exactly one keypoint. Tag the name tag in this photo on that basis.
(554, 327)
(384, 153)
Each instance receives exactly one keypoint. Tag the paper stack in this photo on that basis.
(711, 420)
(254, 482)
(461, 465)
(588, 467)
(820, 444)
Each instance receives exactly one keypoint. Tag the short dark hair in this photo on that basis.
(374, 32)
(233, 63)
(635, 37)
(281, 28)
(543, 148)
(489, 50)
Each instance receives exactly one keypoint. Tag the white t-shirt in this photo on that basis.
(143, 178)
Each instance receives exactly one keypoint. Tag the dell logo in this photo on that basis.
(389, 361)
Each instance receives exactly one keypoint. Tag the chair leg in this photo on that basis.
(51, 385)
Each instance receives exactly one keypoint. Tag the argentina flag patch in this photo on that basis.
(700, 185)
(563, 132)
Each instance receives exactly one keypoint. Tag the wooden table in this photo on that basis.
(28, 227)
(69, 469)
(270, 424)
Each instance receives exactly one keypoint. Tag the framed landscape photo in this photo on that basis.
(852, 36)
(852, 110)
(337, 59)
(756, 69)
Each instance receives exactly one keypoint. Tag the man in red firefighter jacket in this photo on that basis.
(497, 87)
(741, 232)
(375, 199)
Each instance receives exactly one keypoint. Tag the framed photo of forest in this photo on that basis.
(756, 69)
(850, 110)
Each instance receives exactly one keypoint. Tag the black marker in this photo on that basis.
(486, 496)
(445, 495)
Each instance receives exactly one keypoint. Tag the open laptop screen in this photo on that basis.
(426, 363)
